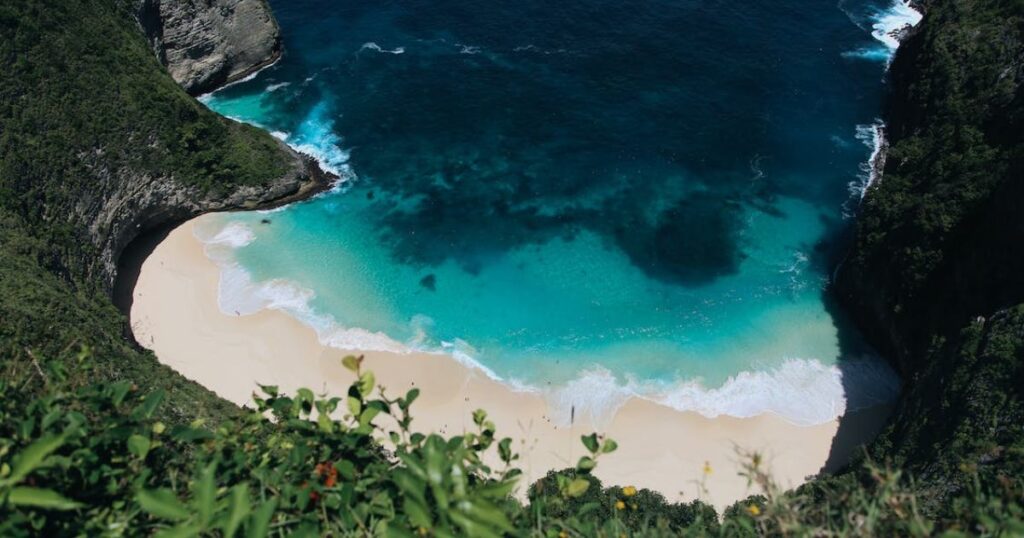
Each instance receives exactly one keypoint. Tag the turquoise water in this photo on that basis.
(589, 201)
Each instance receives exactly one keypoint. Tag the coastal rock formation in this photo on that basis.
(935, 277)
(206, 44)
(128, 203)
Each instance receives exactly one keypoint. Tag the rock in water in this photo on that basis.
(205, 45)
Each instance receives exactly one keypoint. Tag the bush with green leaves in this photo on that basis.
(96, 459)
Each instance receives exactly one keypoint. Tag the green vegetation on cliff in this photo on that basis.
(97, 438)
(85, 107)
(936, 272)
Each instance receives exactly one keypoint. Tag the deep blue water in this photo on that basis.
(590, 198)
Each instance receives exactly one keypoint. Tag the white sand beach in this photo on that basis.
(175, 314)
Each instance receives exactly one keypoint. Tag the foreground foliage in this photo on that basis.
(97, 438)
(96, 460)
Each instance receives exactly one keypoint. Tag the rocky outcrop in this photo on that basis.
(935, 277)
(208, 43)
(126, 203)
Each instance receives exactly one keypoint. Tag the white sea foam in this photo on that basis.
(239, 294)
(234, 235)
(467, 49)
(370, 45)
(876, 54)
(592, 398)
(873, 136)
(316, 137)
(274, 87)
(886, 27)
(891, 22)
(802, 391)
(247, 78)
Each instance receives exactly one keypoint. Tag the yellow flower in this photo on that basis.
(754, 510)
(629, 491)
(563, 534)
(619, 505)
(707, 467)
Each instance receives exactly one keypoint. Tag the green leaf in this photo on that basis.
(51, 418)
(355, 406)
(411, 396)
(368, 415)
(609, 446)
(138, 445)
(417, 512)
(586, 464)
(590, 441)
(505, 450)
(186, 434)
(366, 383)
(346, 469)
(238, 508)
(184, 530)
(497, 489)
(471, 527)
(259, 522)
(41, 498)
(479, 416)
(149, 405)
(486, 512)
(351, 362)
(323, 420)
(32, 457)
(162, 503)
(205, 494)
(118, 391)
(577, 487)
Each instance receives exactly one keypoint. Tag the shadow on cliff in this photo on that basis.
(868, 408)
(129, 266)
(870, 387)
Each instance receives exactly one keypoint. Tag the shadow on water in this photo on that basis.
(868, 389)
(691, 241)
(867, 410)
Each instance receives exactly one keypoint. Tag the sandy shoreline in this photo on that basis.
(174, 313)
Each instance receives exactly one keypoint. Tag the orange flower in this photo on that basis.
(328, 472)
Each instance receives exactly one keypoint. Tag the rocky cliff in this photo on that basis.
(208, 43)
(936, 270)
(106, 146)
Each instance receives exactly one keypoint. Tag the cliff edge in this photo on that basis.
(935, 277)
(205, 45)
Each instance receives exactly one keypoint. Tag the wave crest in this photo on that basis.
(370, 45)
(803, 391)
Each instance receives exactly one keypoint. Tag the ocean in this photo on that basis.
(591, 199)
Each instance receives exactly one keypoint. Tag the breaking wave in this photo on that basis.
(377, 48)
(802, 391)
(887, 27)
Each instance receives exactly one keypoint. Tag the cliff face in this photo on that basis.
(208, 43)
(106, 146)
(937, 271)
(127, 203)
